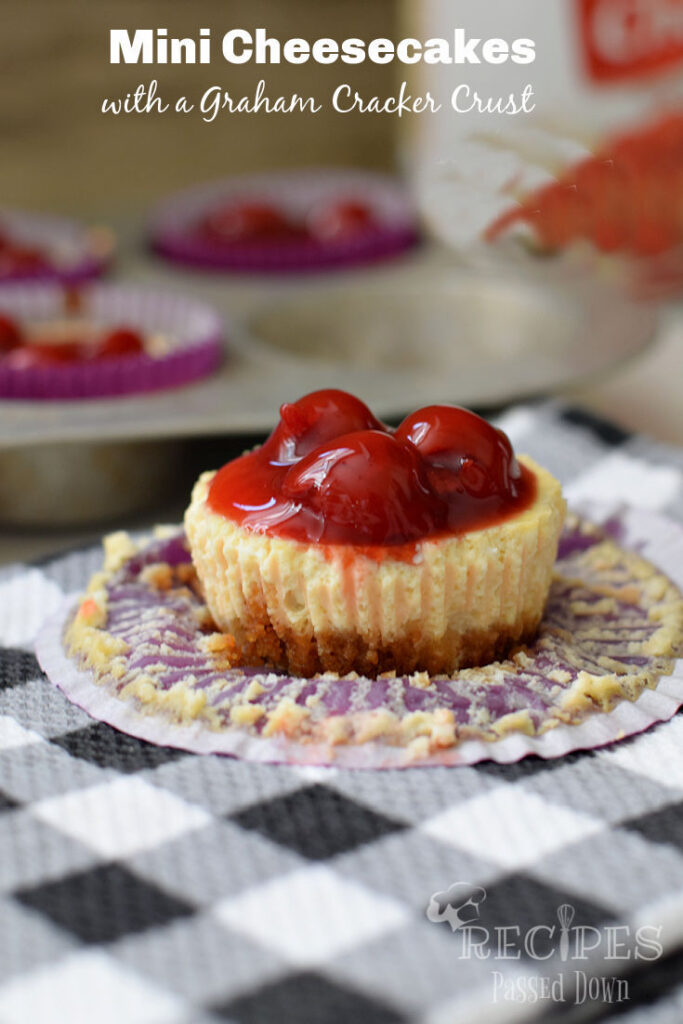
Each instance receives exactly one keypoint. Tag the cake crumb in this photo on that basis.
(373, 724)
(159, 576)
(246, 714)
(516, 721)
(217, 643)
(93, 610)
(119, 547)
(98, 647)
(223, 648)
(437, 726)
(286, 718)
(443, 732)
(179, 701)
(254, 690)
(418, 749)
(164, 531)
(336, 730)
(187, 574)
(560, 675)
(589, 690)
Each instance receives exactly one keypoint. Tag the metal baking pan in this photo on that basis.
(421, 334)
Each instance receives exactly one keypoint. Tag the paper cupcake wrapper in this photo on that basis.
(174, 235)
(652, 536)
(312, 594)
(76, 254)
(196, 331)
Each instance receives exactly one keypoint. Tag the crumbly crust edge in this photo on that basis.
(421, 733)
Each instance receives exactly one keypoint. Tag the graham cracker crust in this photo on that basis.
(261, 643)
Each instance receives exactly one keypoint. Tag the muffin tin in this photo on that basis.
(46, 483)
(400, 335)
(185, 334)
(426, 333)
(175, 225)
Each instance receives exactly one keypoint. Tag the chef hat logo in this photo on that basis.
(459, 905)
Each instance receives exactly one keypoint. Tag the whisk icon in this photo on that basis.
(565, 915)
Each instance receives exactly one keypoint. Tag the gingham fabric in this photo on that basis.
(142, 884)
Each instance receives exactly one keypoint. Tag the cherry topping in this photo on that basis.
(44, 354)
(465, 446)
(248, 221)
(20, 352)
(121, 342)
(316, 418)
(368, 482)
(340, 220)
(20, 259)
(10, 334)
(331, 472)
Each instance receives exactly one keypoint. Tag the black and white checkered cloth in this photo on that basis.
(142, 884)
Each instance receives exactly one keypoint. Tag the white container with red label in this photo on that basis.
(604, 123)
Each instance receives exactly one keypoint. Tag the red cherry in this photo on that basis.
(340, 220)
(316, 419)
(44, 354)
(248, 221)
(332, 473)
(21, 259)
(10, 334)
(368, 485)
(120, 342)
(463, 447)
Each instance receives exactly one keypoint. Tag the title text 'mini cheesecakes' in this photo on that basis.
(341, 545)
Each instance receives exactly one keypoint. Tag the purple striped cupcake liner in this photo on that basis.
(74, 254)
(553, 684)
(175, 235)
(195, 348)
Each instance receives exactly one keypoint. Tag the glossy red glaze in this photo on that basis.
(247, 222)
(16, 257)
(121, 342)
(331, 473)
(20, 352)
(10, 334)
(315, 419)
(462, 450)
(44, 354)
(340, 220)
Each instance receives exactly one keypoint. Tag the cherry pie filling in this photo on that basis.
(332, 473)
(20, 350)
(20, 258)
(249, 221)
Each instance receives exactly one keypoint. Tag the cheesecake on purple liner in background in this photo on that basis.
(39, 247)
(343, 546)
(290, 222)
(66, 344)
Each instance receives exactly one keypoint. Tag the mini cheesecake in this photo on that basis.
(341, 546)
(64, 341)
